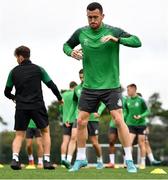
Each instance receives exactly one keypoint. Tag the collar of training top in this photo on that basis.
(26, 61)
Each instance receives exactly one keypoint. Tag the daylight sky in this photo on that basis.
(44, 25)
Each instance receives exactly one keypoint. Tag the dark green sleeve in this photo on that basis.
(9, 87)
(75, 97)
(71, 43)
(146, 110)
(101, 108)
(127, 39)
(50, 84)
(125, 108)
(9, 82)
(45, 77)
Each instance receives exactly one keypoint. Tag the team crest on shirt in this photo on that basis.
(136, 104)
(85, 42)
(119, 103)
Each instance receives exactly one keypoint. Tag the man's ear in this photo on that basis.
(103, 16)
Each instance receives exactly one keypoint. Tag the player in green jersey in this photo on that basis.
(148, 148)
(136, 112)
(113, 137)
(69, 125)
(100, 56)
(33, 132)
(93, 124)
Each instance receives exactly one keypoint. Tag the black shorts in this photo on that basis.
(90, 99)
(93, 128)
(33, 132)
(68, 130)
(22, 118)
(112, 130)
(138, 130)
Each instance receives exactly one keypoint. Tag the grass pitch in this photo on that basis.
(87, 173)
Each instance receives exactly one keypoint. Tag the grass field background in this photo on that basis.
(87, 173)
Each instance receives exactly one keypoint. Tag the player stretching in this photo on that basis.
(100, 46)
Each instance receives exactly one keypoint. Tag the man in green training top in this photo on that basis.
(33, 132)
(26, 78)
(69, 124)
(100, 57)
(93, 124)
(137, 111)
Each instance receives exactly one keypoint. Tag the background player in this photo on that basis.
(26, 78)
(33, 132)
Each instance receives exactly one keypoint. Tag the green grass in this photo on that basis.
(89, 173)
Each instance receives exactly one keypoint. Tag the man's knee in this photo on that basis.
(82, 123)
(20, 135)
(45, 130)
(111, 142)
(95, 143)
(73, 138)
(29, 145)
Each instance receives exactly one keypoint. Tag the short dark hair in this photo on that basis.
(72, 84)
(81, 71)
(132, 85)
(95, 5)
(23, 51)
(139, 94)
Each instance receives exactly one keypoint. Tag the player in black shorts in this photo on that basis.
(68, 110)
(26, 78)
(33, 132)
(137, 111)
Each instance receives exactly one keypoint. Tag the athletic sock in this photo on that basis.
(69, 158)
(128, 153)
(63, 156)
(143, 161)
(15, 156)
(40, 160)
(150, 156)
(47, 157)
(112, 156)
(81, 154)
(100, 159)
(30, 157)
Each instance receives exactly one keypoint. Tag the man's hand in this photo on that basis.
(109, 38)
(137, 117)
(77, 54)
(67, 124)
(96, 115)
(61, 102)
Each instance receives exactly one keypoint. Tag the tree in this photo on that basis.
(54, 117)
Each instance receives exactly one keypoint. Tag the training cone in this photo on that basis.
(1, 166)
(158, 171)
(31, 167)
